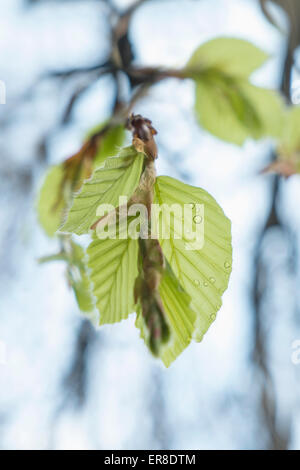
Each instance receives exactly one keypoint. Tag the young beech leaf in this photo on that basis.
(79, 279)
(203, 273)
(50, 206)
(57, 192)
(113, 265)
(180, 317)
(118, 176)
(62, 180)
(269, 107)
(234, 57)
(288, 160)
(290, 140)
(227, 105)
(110, 143)
(234, 110)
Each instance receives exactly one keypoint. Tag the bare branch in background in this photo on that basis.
(292, 9)
(75, 382)
(279, 434)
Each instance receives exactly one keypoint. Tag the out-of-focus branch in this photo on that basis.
(75, 381)
(67, 73)
(278, 435)
(292, 9)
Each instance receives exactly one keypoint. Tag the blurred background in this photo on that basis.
(65, 384)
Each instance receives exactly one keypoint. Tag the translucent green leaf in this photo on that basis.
(236, 110)
(109, 146)
(118, 176)
(290, 142)
(50, 206)
(234, 57)
(57, 191)
(269, 106)
(227, 105)
(113, 265)
(204, 273)
(79, 279)
(180, 317)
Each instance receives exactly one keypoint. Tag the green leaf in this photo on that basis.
(290, 141)
(203, 273)
(110, 143)
(227, 105)
(180, 317)
(50, 206)
(56, 192)
(83, 295)
(118, 176)
(79, 279)
(234, 57)
(234, 110)
(269, 107)
(113, 265)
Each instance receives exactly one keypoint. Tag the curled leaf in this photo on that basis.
(179, 315)
(147, 295)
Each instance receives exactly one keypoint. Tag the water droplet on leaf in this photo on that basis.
(197, 219)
